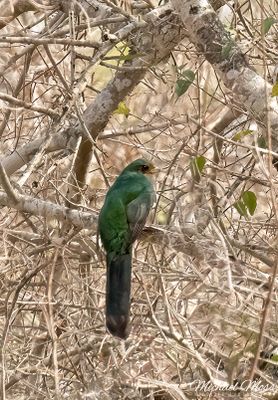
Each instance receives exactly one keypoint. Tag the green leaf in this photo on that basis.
(189, 74)
(262, 142)
(250, 200)
(200, 162)
(122, 109)
(226, 50)
(181, 86)
(274, 357)
(183, 83)
(197, 165)
(247, 204)
(240, 207)
(274, 91)
(239, 135)
(267, 24)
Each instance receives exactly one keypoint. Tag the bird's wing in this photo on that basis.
(137, 213)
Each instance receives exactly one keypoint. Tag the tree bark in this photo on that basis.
(215, 43)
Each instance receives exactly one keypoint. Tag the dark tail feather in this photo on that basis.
(118, 294)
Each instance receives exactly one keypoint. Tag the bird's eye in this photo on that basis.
(144, 168)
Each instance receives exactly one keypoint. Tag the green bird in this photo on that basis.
(121, 220)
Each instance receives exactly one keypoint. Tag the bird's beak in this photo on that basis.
(153, 170)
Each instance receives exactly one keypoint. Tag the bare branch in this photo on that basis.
(20, 103)
(11, 9)
(50, 210)
(216, 44)
(6, 184)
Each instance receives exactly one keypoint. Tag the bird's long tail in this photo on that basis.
(118, 294)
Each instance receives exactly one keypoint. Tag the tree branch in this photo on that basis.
(155, 41)
(50, 210)
(11, 9)
(4, 180)
(29, 106)
(216, 44)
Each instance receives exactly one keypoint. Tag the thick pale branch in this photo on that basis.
(215, 43)
(155, 41)
(184, 243)
(50, 211)
(66, 140)
(11, 9)
(188, 242)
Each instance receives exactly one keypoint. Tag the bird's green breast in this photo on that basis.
(113, 222)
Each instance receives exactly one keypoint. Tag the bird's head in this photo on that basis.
(142, 166)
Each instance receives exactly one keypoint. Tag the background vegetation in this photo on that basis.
(86, 87)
